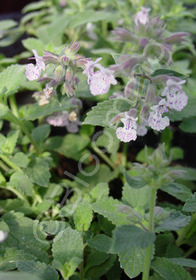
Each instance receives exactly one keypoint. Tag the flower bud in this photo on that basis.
(65, 60)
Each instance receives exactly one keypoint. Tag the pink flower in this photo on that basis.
(176, 98)
(100, 82)
(33, 72)
(142, 16)
(155, 120)
(128, 132)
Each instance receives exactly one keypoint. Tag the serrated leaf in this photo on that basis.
(101, 242)
(33, 44)
(99, 191)
(42, 270)
(136, 197)
(108, 208)
(173, 221)
(129, 243)
(169, 271)
(177, 190)
(83, 216)
(67, 251)
(20, 159)
(38, 172)
(11, 77)
(132, 261)
(21, 182)
(190, 205)
(24, 234)
(105, 111)
(127, 237)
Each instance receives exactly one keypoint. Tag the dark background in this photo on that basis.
(11, 6)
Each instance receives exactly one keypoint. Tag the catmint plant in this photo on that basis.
(82, 196)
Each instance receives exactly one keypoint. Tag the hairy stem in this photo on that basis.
(9, 162)
(149, 249)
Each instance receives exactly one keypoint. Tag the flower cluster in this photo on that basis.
(99, 81)
(144, 88)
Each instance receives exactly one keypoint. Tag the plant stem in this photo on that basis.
(103, 156)
(124, 155)
(18, 194)
(148, 251)
(13, 105)
(3, 166)
(9, 162)
(25, 130)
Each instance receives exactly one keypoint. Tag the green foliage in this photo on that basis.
(190, 205)
(10, 79)
(168, 270)
(67, 251)
(83, 216)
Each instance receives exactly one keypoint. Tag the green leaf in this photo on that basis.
(24, 234)
(42, 270)
(173, 221)
(34, 111)
(183, 262)
(21, 182)
(83, 216)
(168, 73)
(189, 125)
(169, 271)
(33, 43)
(190, 205)
(8, 144)
(17, 276)
(92, 175)
(135, 182)
(105, 111)
(136, 197)
(38, 172)
(108, 140)
(35, 6)
(69, 146)
(92, 16)
(177, 190)
(10, 78)
(108, 208)
(129, 243)
(100, 191)
(95, 272)
(10, 257)
(127, 237)
(40, 133)
(67, 251)
(53, 31)
(132, 261)
(7, 24)
(101, 242)
(20, 159)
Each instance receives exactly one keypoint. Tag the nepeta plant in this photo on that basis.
(78, 203)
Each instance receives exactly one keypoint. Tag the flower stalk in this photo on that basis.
(149, 249)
